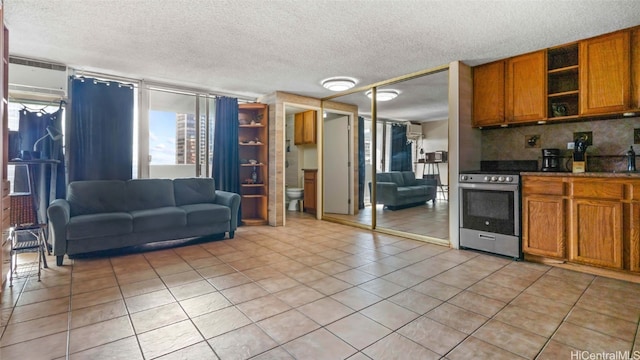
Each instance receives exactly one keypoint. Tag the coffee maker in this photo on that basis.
(551, 160)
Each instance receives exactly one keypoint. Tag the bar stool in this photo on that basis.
(25, 233)
(29, 238)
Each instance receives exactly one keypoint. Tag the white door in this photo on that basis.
(336, 165)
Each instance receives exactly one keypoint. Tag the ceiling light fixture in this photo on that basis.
(384, 94)
(339, 83)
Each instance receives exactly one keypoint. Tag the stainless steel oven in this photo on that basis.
(490, 213)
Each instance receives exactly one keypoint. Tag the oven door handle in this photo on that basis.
(487, 237)
(498, 187)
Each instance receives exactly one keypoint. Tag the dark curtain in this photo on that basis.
(32, 126)
(361, 164)
(400, 148)
(99, 130)
(226, 163)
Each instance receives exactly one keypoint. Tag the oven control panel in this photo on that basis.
(489, 178)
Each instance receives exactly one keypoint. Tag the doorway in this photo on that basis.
(297, 158)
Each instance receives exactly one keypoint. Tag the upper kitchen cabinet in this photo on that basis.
(488, 94)
(563, 82)
(635, 68)
(605, 85)
(305, 128)
(525, 89)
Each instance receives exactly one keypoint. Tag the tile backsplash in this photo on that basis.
(611, 141)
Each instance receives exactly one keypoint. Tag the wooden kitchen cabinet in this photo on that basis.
(310, 181)
(596, 233)
(605, 85)
(563, 82)
(488, 94)
(305, 128)
(543, 217)
(586, 220)
(635, 68)
(525, 87)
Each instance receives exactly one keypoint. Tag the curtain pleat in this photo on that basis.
(400, 148)
(100, 130)
(226, 163)
(32, 126)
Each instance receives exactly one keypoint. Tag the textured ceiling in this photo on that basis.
(254, 47)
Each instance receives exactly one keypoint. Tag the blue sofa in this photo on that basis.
(110, 214)
(398, 189)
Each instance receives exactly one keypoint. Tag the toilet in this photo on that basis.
(294, 194)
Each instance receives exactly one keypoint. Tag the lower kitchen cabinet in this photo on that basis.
(310, 182)
(543, 218)
(596, 233)
(584, 219)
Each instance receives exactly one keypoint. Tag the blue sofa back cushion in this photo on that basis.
(144, 194)
(194, 191)
(397, 178)
(409, 178)
(96, 197)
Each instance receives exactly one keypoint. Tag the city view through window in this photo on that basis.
(173, 142)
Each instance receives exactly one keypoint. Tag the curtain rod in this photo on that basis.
(160, 85)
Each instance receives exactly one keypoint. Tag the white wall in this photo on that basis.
(436, 138)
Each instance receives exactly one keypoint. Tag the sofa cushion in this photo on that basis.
(96, 197)
(411, 191)
(205, 214)
(99, 225)
(194, 191)
(169, 217)
(397, 178)
(144, 194)
(383, 177)
(409, 178)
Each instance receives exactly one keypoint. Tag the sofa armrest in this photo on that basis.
(231, 200)
(386, 192)
(59, 214)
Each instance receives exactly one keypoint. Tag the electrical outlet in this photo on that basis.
(571, 145)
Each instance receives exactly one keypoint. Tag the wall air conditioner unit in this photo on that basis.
(37, 80)
(414, 131)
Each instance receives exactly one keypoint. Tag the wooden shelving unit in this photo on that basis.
(253, 137)
(563, 90)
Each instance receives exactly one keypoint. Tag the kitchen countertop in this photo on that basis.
(622, 174)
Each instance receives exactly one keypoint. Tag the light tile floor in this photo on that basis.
(314, 290)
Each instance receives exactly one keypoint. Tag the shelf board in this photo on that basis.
(260, 144)
(252, 126)
(252, 185)
(568, 117)
(571, 68)
(254, 196)
(564, 93)
(251, 165)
